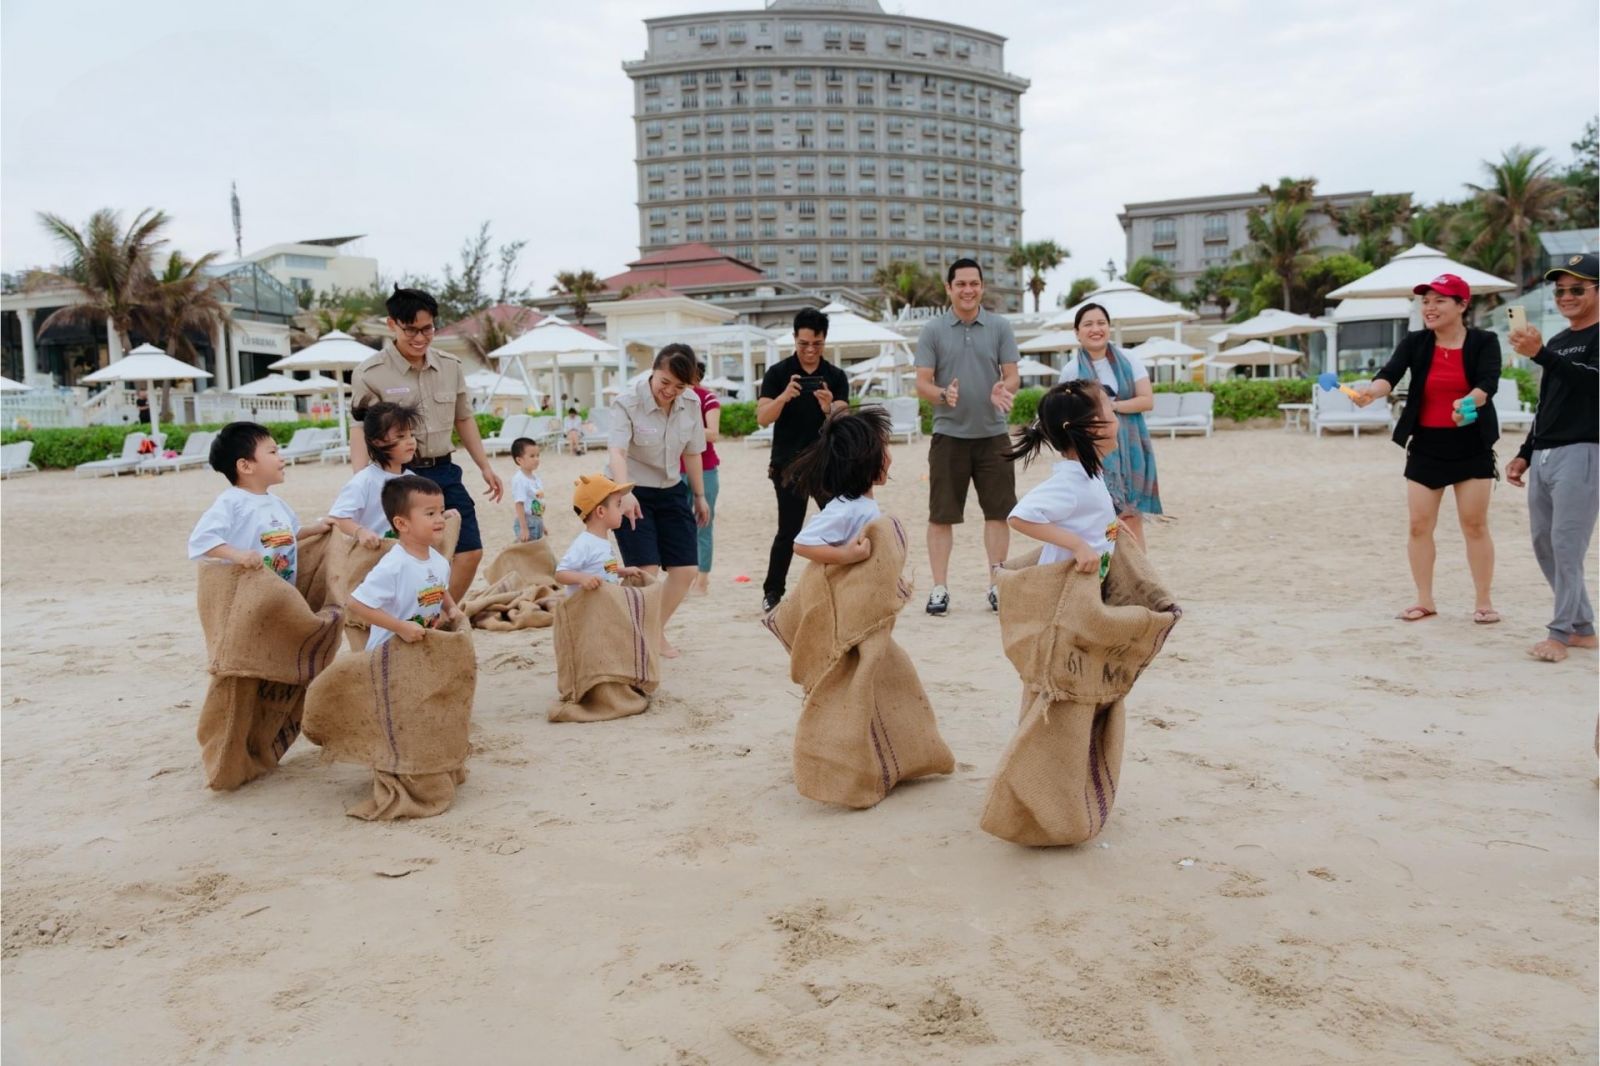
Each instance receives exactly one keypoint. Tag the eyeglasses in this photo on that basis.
(413, 332)
(809, 345)
(1576, 290)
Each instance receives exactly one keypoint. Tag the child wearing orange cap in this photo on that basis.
(591, 559)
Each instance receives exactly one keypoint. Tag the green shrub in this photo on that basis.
(1248, 398)
(738, 419)
(1527, 388)
(1025, 405)
(63, 449)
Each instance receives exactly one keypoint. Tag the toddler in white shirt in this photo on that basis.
(527, 491)
(407, 592)
(591, 561)
(390, 433)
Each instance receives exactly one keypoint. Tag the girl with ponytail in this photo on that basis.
(1071, 511)
(848, 460)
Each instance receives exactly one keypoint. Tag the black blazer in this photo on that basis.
(1481, 355)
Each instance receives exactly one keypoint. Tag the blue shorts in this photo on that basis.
(665, 535)
(535, 529)
(447, 475)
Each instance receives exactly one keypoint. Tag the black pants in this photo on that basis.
(791, 518)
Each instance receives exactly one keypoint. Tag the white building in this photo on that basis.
(318, 265)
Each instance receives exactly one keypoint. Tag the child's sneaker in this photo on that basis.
(939, 601)
(994, 598)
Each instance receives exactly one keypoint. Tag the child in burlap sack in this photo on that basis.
(264, 642)
(1080, 619)
(390, 432)
(607, 664)
(866, 723)
(406, 593)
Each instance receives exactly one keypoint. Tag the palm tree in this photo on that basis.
(1284, 240)
(577, 286)
(1081, 287)
(902, 284)
(492, 334)
(1523, 195)
(1372, 222)
(1210, 287)
(183, 300)
(110, 267)
(1036, 257)
(1152, 275)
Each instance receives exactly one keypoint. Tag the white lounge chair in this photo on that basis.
(1332, 409)
(597, 431)
(17, 459)
(335, 453)
(905, 418)
(115, 465)
(1509, 408)
(307, 444)
(513, 427)
(196, 452)
(1163, 417)
(1185, 412)
(761, 436)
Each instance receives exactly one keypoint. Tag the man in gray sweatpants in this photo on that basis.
(1561, 457)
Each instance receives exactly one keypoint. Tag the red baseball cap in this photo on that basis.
(1446, 285)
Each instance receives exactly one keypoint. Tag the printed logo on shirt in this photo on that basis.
(277, 538)
(279, 557)
(430, 596)
(612, 566)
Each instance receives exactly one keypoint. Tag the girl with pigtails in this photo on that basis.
(1070, 512)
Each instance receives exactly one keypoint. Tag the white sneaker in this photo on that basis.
(939, 600)
(994, 598)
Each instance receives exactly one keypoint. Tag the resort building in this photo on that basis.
(1200, 232)
(821, 140)
(319, 264)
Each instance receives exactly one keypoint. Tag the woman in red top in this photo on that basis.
(711, 415)
(1449, 429)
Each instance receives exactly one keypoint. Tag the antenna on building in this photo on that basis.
(238, 229)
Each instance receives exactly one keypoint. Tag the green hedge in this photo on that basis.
(1527, 388)
(1243, 400)
(63, 449)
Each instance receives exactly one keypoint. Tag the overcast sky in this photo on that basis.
(412, 122)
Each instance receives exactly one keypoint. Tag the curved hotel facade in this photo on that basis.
(821, 141)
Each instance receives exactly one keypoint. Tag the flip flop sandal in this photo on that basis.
(1415, 614)
(1485, 618)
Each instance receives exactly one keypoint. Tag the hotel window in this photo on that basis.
(743, 211)
(806, 208)
(719, 233)
(803, 76)
(839, 251)
(736, 34)
(692, 190)
(1165, 230)
(808, 274)
(769, 230)
(716, 168)
(1216, 227)
(742, 232)
(652, 85)
(836, 123)
(719, 212)
(694, 233)
(839, 274)
(792, 32)
(767, 209)
(769, 253)
(838, 209)
(838, 187)
(894, 38)
(839, 229)
(713, 99)
(808, 253)
(808, 229)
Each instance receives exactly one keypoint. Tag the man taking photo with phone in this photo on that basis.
(1558, 462)
(797, 394)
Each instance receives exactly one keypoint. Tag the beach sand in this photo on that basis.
(1392, 827)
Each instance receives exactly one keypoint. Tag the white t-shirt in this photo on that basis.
(573, 422)
(590, 554)
(361, 499)
(1105, 371)
(841, 522)
(525, 489)
(1077, 503)
(410, 589)
(252, 521)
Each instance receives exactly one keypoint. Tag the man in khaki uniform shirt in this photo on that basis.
(408, 371)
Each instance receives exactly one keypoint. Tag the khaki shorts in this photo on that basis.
(955, 461)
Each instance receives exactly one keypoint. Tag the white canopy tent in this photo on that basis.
(321, 385)
(1371, 309)
(7, 385)
(1032, 368)
(555, 345)
(271, 385)
(1274, 322)
(711, 344)
(1164, 351)
(1129, 308)
(1060, 340)
(147, 364)
(336, 351)
(1253, 354)
(1413, 267)
(849, 332)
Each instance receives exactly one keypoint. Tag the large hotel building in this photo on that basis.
(821, 140)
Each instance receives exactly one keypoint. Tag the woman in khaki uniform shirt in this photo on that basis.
(655, 425)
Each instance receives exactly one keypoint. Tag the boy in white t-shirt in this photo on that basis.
(247, 525)
(849, 459)
(390, 432)
(527, 491)
(591, 560)
(407, 593)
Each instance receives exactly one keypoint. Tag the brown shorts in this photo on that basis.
(953, 462)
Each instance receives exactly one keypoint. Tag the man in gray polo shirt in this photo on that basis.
(967, 369)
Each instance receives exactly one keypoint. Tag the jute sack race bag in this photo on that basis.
(866, 723)
(264, 645)
(405, 711)
(522, 590)
(349, 564)
(606, 664)
(1079, 644)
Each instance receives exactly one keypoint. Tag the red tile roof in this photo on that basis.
(684, 266)
(504, 315)
(655, 292)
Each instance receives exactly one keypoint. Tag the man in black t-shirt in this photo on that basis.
(1562, 453)
(797, 394)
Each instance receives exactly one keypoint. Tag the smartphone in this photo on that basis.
(1518, 316)
(813, 383)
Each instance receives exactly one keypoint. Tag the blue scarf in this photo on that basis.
(1130, 471)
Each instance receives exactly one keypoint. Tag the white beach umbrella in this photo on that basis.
(720, 384)
(1270, 323)
(336, 351)
(1060, 340)
(490, 383)
(320, 385)
(1371, 309)
(148, 364)
(1254, 353)
(1413, 267)
(1032, 368)
(846, 329)
(7, 385)
(554, 343)
(271, 385)
(1159, 350)
(1128, 306)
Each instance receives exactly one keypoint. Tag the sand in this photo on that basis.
(1392, 828)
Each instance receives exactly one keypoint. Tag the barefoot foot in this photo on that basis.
(1549, 651)
(1591, 642)
(667, 650)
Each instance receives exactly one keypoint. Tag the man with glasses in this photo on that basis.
(797, 395)
(1561, 455)
(411, 372)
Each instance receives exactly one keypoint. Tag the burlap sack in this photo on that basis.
(1079, 645)
(522, 591)
(312, 559)
(349, 564)
(404, 710)
(866, 723)
(606, 664)
(264, 645)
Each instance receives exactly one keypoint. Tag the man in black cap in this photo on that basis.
(1562, 453)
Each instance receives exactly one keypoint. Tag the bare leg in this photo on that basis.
(996, 543)
(940, 539)
(1472, 509)
(678, 578)
(463, 568)
(1423, 504)
(1135, 524)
